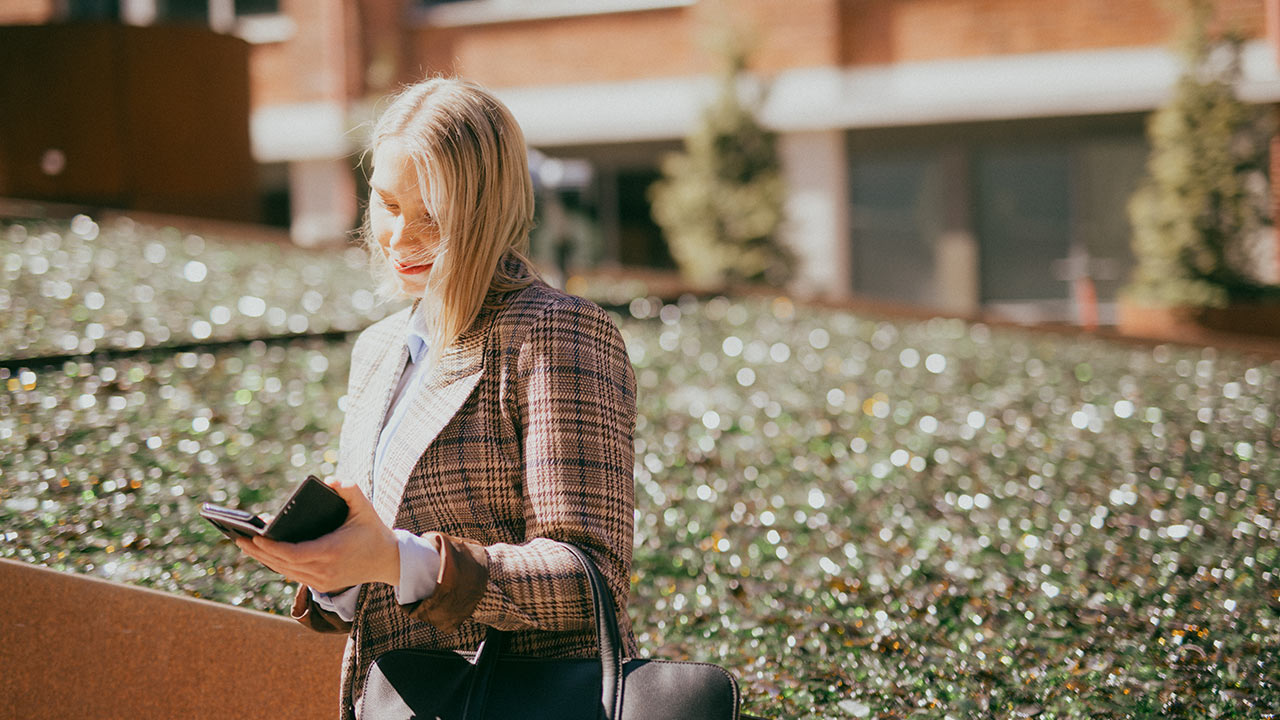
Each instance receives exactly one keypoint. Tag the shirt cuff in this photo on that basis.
(344, 603)
(419, 566)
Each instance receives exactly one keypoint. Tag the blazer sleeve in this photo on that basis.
(575, 410)
(308, 612)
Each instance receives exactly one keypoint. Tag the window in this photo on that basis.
(897, 220)
(1023, 220)
(257, 7)
(108, 10)
(1013, 215)
(182, 12)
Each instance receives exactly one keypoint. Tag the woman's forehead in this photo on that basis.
(394, 172)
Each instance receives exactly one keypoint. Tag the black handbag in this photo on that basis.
(452, 685)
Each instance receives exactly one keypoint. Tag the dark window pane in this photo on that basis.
(896, 218)
(640, 239)
(1024, 221)
(257, 7)
(1107, 171)
(93, 10)
(183, 11)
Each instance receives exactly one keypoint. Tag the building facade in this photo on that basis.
(963, 155)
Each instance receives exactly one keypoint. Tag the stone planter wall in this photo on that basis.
(78, 647)
(1198, 325)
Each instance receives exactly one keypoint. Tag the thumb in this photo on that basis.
(348, 491)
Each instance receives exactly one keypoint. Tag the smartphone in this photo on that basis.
(314, 509)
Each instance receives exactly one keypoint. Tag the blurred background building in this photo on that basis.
(963, 155)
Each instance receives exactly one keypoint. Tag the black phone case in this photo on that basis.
(314, 509)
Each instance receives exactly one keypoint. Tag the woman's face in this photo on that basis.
(408, 236)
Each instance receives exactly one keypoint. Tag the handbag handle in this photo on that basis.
(608, 637)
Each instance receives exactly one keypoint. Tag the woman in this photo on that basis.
(485, 424)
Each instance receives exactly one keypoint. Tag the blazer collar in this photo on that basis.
(434, 402)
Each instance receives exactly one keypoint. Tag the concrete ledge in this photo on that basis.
(74, 646)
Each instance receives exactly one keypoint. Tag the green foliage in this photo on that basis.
(85, 288)
(1205, 198)
(721, 201)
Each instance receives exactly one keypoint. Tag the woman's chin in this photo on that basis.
(412, 280)
(412, 285)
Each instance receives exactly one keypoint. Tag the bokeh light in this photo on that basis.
(859, 517)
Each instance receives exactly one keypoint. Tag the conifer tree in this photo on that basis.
(720, 202)
(1204, 199)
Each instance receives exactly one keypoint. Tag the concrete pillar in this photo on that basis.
(957, 273)
(815, 166)
(138, 12)
(322, 196)
(1272, 266)
(1271, 21)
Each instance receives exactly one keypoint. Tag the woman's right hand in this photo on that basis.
(362, 550)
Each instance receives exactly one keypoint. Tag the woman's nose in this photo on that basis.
(396, 237)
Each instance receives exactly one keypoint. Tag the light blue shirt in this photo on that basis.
(419, 561)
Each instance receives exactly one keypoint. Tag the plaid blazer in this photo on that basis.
(521, 436)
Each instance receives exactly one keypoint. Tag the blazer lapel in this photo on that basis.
(433, 404)
(385, 373)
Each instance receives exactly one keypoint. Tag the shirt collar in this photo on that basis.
(416, 338)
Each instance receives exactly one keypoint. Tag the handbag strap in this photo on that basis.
(608, 637)
(486, 658)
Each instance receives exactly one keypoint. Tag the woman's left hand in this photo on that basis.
(362, 550)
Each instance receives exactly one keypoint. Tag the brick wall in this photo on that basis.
(633, 45)
(887, 31)
(796, 33)
(26, 12)
(384, 45)
(591, 48)
(310, 66)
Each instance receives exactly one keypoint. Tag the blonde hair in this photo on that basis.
(472, 164)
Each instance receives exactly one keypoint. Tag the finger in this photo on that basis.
(248, 548)
(350, 492)
(257, 554)
(290, 572)
(320, 550)
(266, 562)
(267, 544)
(285, 552)
(274, 557)
(311, 561)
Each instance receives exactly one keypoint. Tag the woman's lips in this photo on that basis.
(410, 269)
